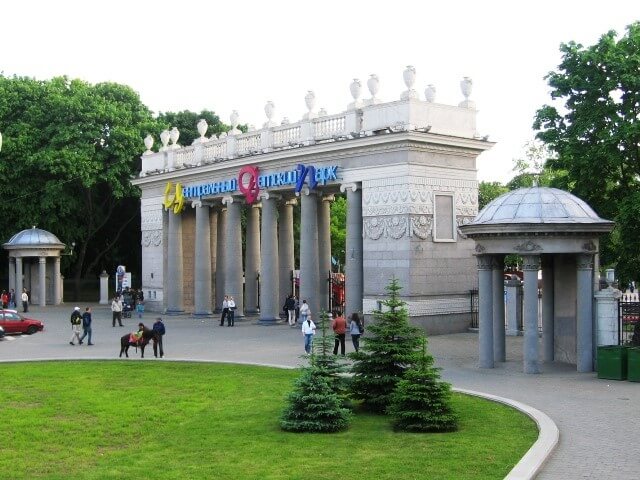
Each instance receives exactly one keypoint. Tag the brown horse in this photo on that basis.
(147, 336)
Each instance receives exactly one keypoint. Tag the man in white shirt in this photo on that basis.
(231, 316)
(225, 310)
(308, 331)
(25, 300)
(116, 310)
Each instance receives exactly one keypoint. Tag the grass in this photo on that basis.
(162, 420)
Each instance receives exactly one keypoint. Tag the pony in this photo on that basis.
(147, 336)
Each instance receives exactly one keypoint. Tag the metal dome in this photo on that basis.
(537, 205)
(34, 237)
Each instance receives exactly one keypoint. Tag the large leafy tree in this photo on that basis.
(70, 149)
(594, 130)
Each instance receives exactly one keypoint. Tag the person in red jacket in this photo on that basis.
(339, 325)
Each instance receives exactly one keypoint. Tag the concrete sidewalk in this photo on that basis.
(597, 418)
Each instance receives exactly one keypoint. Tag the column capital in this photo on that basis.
(256, 205)
(484, 262)
(328, 198)
(268, 196)
(584, 261)
(42, 259)
(290, 202)
(306, 191)
(229, 199)
(497, 262)
(353, 186)
(196, 204)
(531, 262)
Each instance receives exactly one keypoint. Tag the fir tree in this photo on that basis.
(391, 347)
(421, 401)
(313, 406)
(328, 364)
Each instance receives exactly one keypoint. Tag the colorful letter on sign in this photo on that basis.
(251, 189)
(176, 200)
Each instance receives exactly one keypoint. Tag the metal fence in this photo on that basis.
(628, 321)
(473, 296)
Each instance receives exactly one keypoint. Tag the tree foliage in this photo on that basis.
(70, 149)
(391, 347)
(339, 228)
(421, 402)
(488, 191)
(595, 133)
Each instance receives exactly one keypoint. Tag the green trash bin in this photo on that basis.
(633, 363)
(612, 362)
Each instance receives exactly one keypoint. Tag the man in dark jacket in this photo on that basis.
(158, 327)
(86, 325)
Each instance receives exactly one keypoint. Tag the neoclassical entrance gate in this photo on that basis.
(407, 168)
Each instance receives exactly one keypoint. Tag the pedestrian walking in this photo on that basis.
(140, 309)
(76, 325)
(356, 328)
(225, 310)
(308, 331)
(339, 326)
(158, 327)
(5, 299)
(305, 311)
(86, 326)
(116, 311)
(231, 317)
(12, 298)
(25, 300)
(290, 310)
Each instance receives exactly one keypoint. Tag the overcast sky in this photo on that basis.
(222, 56)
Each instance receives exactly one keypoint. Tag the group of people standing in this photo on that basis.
(9, 300)
(228, 311)
(339, 326)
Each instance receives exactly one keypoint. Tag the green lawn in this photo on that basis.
(163, 420)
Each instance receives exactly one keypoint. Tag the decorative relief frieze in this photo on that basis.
(151, 238)
(589, 246)
(151, 219)
(480, 248)
(397, 227)
(463, 220)
(527, 246)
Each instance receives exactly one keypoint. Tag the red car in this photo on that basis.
(13, 322)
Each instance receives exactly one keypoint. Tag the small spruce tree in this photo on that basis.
(391, 347)
(319, 401)
(313, 406)
(421, 402)
(328, 364)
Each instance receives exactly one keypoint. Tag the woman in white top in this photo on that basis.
(304, 311)
(308, 331)
(355, 329)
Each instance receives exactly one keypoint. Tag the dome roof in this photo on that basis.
(34, 237)
(537, 205)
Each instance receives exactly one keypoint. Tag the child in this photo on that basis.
(140, 309)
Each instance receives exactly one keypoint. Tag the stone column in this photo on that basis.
(175, 268)
(324, 249)
(104, 288)
(497, 289)
(220, 262)
(513, 309)
(531, 354)
(202, 263)
(485, 311)
(548, 326)
(233, 268)
(57, 298)
(353, 249)
(584, 313)
(309, 269)
(607, 316)
(213, 247)
(19, 285)
(12, 277)
(286, 257)
(270, 302)
(42, 279)
(252, 259)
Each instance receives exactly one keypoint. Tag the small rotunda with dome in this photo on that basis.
(34, 264)
(557, 234)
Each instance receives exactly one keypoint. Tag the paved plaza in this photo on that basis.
(598, 424)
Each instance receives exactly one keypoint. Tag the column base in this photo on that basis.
(532, 368)
(255, 311)
(202, 314)
(514, 333)
(174, 312)
(268, 321)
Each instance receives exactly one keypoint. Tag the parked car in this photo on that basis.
(1, 332)
(13, 322)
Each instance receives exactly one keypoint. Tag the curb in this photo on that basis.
(548, 435)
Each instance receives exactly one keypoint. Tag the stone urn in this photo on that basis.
(285, 121)
(234, 118)
(356, 90)
(322, 112)
(466, 85)
(164, 138)
(409, 77)
(430, 93)
(148, 143)
(202, 129)
(310, 102)
(174, 135)
(269, 111)
(373, 84)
